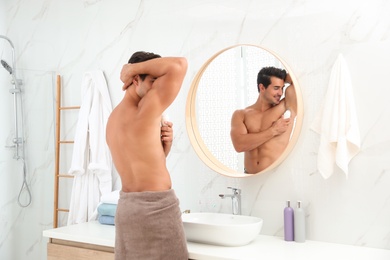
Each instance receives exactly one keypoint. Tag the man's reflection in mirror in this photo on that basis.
(262, 130)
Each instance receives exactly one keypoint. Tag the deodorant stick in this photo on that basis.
(287, 114)
(164, 118)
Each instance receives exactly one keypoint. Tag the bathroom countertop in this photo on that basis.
(263, 247)
(89, 232)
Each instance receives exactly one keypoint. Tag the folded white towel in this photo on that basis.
(337, 123)
(110, 198)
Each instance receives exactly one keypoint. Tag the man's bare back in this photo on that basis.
(134, 130)
(260, 130)
(136, 149)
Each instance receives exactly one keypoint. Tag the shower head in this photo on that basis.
(6, 66)
(4, 63)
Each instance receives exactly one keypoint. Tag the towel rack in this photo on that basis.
(58, 144)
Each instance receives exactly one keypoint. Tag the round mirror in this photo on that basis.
(225, 83)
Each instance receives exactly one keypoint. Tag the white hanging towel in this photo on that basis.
(91, 159)
(337, 123)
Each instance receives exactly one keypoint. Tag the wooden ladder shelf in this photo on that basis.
(58, 144)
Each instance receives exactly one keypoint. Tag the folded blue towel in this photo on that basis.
(107, 209)
(106, 220)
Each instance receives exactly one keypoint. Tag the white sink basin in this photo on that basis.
(221, 229)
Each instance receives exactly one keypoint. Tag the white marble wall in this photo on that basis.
(71, 37)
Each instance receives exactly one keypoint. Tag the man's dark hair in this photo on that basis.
(265, 74)
(141, 56)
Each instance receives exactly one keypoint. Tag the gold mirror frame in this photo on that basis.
(193, 131)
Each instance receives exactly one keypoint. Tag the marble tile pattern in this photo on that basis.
(74, 36)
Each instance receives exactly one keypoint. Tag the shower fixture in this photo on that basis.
(18, 141)
(14, 79)
(13, 53)
(6, 66)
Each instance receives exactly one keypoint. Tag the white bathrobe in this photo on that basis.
(91, 159)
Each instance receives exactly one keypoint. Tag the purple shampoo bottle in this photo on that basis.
(288, 222)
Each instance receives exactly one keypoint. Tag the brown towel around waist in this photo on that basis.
(148, 225)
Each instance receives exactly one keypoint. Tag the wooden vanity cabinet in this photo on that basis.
(58, 249)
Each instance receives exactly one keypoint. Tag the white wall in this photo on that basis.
(71, 37)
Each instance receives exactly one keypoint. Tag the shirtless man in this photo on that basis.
(148, 219)
(260, 130)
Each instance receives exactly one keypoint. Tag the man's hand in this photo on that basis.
(288, 79)
(167, 136)
(127, 76)
(167, 132)
(280, 126)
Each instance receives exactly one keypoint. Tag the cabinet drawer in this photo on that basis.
(65, 252)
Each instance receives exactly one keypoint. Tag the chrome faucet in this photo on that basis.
(236, 200)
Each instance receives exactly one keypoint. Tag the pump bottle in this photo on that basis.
(299, 223)
(288, 222)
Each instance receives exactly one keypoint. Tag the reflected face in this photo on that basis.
(274, 92)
